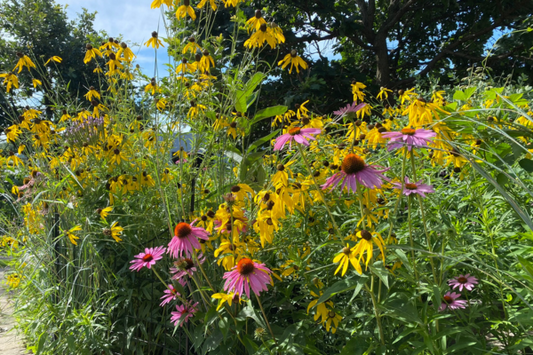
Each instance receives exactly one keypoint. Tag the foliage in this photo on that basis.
(437, 190)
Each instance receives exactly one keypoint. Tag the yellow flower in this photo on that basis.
(357, 93)
(185, 10)
(55, 58)
(92, 93)
(159, 3)
(384, 92)
(294, 60)
(11, 80)
(153, 87)
(334, 318)
(155, 42)
(223, 297)
(24, 61)
(192, 46)
(115, 231)
(265, 34)
(12, 133)
(104, 212)
(72, 236)
(367, 244)
(206, 62)
(344, 259)
(203, 2)
(36, 82)
(91, 53)
(127, 53)
(255, 22)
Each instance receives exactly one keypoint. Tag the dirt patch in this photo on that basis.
(10, 342)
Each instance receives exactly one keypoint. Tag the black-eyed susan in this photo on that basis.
(104, 212)
(92, 94)
(185, 67)
(54, 58)
(203, 2)
(255, 22)
(345, 258)
(114, 63)
(91, 53)
(71, 236)
(10, 80)
(259, 37)
(223, 298)
(357, 92)
(294, 60)
(115, 231)
(152, 87)
(192, 46)
(206, 62)
(158, 3)
(24, 61)
(185, 10)
(383, 94)
(36, 82)
(366, 243)
(155, 42)
(126, 52)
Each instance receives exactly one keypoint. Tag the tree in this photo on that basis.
(40, 29)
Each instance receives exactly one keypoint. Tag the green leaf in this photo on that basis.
(527, 266)
(469, 92)
(379, 270)
(355, 346)
(403, 310)
(342, 286)
(527, 165)
(262, 141)
(269, 112)
(459, 95)
(505, 195)
(250, 345)
(243, 96)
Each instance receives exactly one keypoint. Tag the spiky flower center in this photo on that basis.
(352, 164)
(294, 131)
(462, 280)
(366, 235)
(408, 131)
(182, 230)
(448, 299)
(236, 188)
(331, 314)
(147, 258)
(410, 186)
(346, 250)
(245, 266)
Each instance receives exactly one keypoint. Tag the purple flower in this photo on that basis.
(409, 137)
(463, 281)
(184, 312)
(148, 258)
(353, 171)
(297, 134)
(451, 301)
(245, 274)
(353, 107)
(185, 267)
(186, 239)
(170, 295)
(414, 188)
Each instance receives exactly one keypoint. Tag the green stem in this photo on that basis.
(266, 320)
(376, 311)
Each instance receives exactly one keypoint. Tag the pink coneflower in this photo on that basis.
(353, 107)
(245, 274)
(185, 267)
(463, 281)
(297, 134)
(170, 295)
(184, 312)
(451, 301)
(409, 137)
(148, 258)
(353, 170)
(186, 239)
(414, 188)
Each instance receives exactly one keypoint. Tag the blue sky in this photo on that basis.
(133, 19)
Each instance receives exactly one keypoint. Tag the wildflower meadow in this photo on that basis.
(185, 213)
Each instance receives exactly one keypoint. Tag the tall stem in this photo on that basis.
(376, 311)
(265, 317)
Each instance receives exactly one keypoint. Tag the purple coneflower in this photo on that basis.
(463, 281)
(184, 312)
(148, 258)
(414, 188)
(353, 107)
(186, 239)
(409, 137)
(185, 267)
(451, 301)
(245, 274)
(353, 170)
(170, 295)
(297, 134)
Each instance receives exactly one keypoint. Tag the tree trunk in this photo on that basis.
(382, 60)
